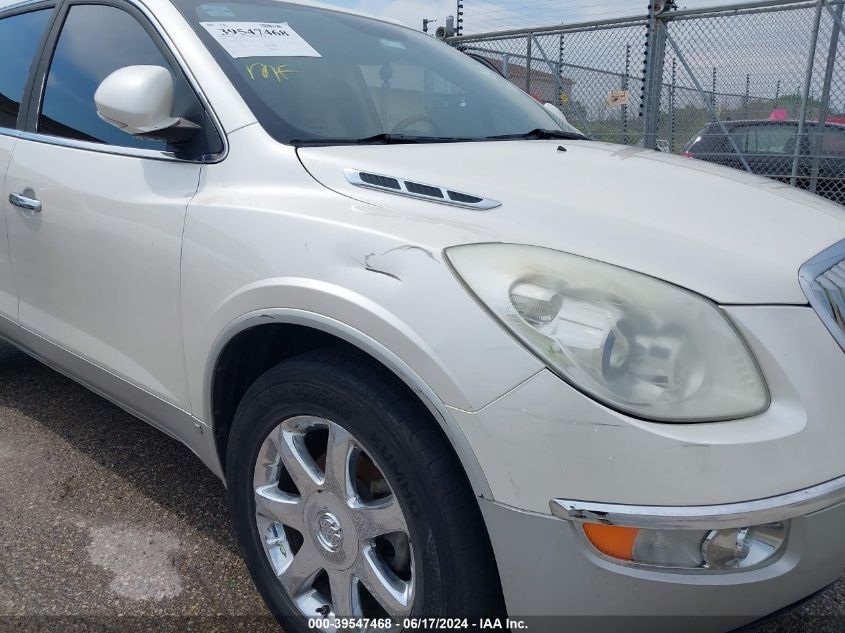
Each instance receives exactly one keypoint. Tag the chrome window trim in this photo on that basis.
(103, 148)
(807, 275)
(731, 515)
(353, 177)
(130, 151)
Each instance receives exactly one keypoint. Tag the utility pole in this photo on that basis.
(460, 29)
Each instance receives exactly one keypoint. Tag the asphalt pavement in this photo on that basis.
(106, 524)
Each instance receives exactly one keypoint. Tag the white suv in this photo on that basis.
(450, 357)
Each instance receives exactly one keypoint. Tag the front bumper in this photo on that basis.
(546, 444)
(552, 576)
(545, 440)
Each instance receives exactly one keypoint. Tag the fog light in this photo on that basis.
(724, 549)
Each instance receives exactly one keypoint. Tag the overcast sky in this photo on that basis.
(489, 15)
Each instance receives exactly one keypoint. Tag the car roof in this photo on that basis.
(735, 122)
(8, 4)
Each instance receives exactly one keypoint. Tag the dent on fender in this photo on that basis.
(393, 259)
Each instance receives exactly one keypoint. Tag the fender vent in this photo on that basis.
(411, 189)
(462, 197)
(424, 190)
(380, 181)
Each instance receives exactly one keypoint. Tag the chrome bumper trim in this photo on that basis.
(732, 515)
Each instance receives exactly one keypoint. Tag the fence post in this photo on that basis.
(528, 54)
(824, 106)
(560, 92)
(747, 96)
(557, 72)
(653, 72)
(808, 80)
(624, 109)
(713, 95)
(672, 112)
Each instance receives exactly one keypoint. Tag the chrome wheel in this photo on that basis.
(331, 526)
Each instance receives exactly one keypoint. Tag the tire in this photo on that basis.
(330, 412)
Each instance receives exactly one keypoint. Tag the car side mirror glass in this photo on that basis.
(139, 101)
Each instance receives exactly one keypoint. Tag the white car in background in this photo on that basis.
(450, 358)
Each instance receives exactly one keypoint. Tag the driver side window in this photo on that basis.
(95, 41)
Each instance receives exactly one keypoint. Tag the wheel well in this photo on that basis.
(254, 351)
(246, 357)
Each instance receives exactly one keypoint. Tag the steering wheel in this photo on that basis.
(409, 121)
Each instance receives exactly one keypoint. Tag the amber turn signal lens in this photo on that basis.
(617, 542)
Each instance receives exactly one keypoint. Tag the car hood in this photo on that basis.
(730, 236)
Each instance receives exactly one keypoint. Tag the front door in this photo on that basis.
(97, 263)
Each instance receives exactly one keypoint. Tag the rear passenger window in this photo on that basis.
(20, 36)
(765, 139)
(95, 41)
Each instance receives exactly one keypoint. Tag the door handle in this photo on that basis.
(24, 202)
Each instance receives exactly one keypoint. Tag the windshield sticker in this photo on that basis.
(259, 39)
(217, 11)
(266, 71)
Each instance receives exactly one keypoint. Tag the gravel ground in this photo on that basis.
(107, 524)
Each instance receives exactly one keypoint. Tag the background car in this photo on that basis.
(769, 149)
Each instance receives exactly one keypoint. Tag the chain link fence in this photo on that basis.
(758, 86)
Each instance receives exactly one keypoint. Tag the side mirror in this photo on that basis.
(557, 116)
(139, 101)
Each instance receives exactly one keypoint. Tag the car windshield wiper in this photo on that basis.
(539, 135)
(380, 139)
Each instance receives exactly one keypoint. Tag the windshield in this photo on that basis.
(314, 75)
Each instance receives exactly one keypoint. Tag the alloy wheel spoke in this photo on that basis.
(391, 592)
(339, 451)
(274, 504)
(298, 462)
(302, 570)
(345, 602)
(379, 519)
(268, 463)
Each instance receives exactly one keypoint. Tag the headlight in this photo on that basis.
(635, 343)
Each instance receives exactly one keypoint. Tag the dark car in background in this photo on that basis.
(769, 149)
